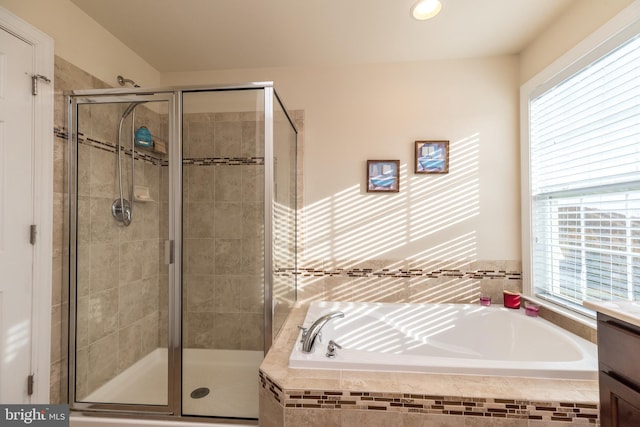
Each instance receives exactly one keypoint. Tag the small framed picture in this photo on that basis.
(383, 176)
(432, 157)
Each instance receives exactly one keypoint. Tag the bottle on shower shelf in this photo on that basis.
(143, 137)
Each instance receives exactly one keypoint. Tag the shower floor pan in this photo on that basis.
(230, 375)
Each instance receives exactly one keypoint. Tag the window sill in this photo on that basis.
(581, 315)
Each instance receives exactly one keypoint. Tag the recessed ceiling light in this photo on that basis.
(425, 9)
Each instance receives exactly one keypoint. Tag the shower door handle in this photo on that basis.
(168, 252)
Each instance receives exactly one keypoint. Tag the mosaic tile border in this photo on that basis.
(157, 161)
(571, 412)
(407, 273)
(229, 161)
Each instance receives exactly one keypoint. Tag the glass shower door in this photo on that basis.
(121, 274)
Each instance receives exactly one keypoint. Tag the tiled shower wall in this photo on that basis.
(223, 187)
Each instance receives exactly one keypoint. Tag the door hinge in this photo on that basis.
(30, 385)
(33, 231)
(34, 82)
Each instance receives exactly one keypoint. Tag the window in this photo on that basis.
(584, 179)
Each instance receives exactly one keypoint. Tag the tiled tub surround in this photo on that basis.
(395, 280)
(417, 281)
(294, 397)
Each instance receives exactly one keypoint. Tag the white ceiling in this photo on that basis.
(191, 35)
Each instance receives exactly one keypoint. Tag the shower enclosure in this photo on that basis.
(182, 214)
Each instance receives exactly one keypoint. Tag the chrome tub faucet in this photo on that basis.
(309, 335)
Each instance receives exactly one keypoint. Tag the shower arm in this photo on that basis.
(122, 81)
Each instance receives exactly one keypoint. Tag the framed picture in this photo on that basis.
(383, 176)
(432, 157)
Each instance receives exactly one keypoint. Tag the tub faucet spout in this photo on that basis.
(314, 330)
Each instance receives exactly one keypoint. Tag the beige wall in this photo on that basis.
(83, 42)
(580, 20)
(355, 113)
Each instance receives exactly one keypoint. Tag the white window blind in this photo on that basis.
(585, 181)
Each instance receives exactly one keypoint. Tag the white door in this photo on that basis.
(16, 217)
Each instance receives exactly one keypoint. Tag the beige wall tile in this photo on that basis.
(271, 412)
(227, 183)
(238, 294)
(102, 361)
(200, 293)
(301, 417)
(227, 139)
(199, 219)
(198, 183)
(252, 258)
(131, 300)
(198, 256)
(252, 189)
(150, 333)
(496, 422)
(252, 219)
(103, 315)
(432, 420)
(370, 418)
(103, 227)
(252, 138)
(199, 139)
(228, 219)
(102, 177)
(243, 331)
(129, 349)
(228, 256)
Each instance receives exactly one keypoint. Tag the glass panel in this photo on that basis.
(284, 216)
(223, 251)
(121, 332)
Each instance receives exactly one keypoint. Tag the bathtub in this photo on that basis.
(445, 338)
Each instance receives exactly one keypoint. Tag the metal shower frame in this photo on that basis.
(174, 97)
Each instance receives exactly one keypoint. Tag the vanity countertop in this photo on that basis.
(626, 311)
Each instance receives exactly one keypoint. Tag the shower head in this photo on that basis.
(122, 81)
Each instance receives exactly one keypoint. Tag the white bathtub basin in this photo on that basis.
(446, 338)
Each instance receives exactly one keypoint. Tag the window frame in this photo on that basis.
(611, 35)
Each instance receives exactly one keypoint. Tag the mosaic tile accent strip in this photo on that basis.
(147, 157)
(408, 273)
(568, 412)
(229, 161)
